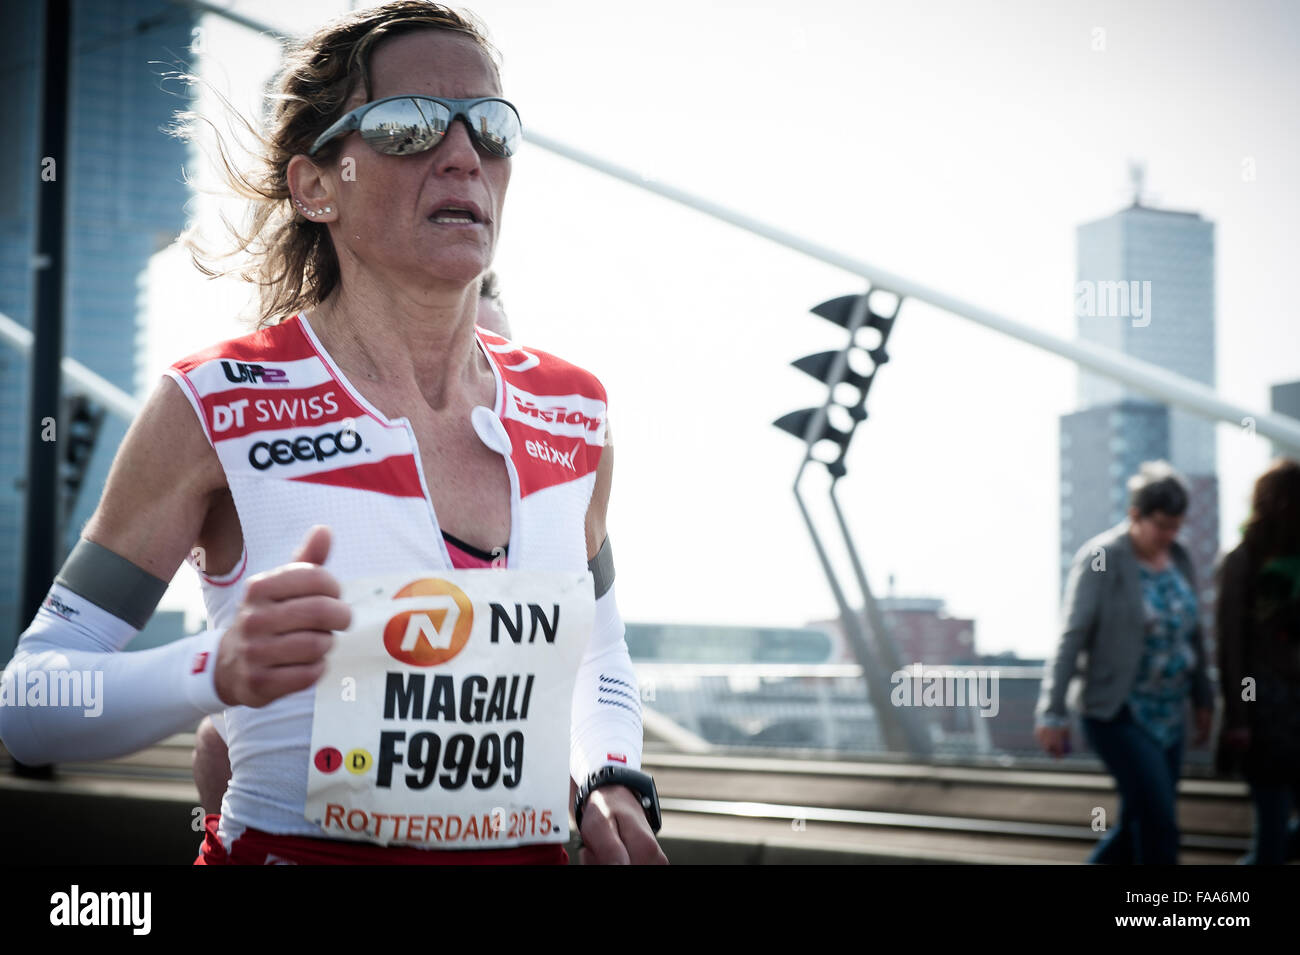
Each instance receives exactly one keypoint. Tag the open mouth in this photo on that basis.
(455, 215)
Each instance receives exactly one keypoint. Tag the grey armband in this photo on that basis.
(602, 568)
(112, 582)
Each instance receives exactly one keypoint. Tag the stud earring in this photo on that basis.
(309, 212)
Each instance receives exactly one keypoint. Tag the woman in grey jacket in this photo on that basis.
(1130, 606)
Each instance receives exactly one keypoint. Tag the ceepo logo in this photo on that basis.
(434, 631)
(306, 447)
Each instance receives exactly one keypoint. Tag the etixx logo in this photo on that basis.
(434, 629)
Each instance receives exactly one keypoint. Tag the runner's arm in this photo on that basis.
(606, 697)
(158, 493)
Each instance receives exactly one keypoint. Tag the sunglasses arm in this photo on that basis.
(344, 125)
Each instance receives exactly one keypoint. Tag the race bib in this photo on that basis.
(442, 718)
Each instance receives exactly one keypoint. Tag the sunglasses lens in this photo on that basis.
(497, 127)
(401, 127)
(405, 126)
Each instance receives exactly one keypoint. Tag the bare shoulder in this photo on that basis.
(161, 484)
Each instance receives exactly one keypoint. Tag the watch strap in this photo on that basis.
(640, 783)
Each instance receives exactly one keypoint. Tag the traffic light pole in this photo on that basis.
(875, 619)
(898, 736)
(896, 739)
(886, 650)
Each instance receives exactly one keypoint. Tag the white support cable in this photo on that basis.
(117, 401)
(1152, 380)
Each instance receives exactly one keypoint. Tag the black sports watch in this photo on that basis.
(642, 784)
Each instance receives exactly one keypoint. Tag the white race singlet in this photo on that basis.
(300, 446)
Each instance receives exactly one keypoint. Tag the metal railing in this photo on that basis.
(818, 710)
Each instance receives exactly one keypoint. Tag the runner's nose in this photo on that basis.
(457, 152)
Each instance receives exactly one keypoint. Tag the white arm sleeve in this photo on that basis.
(70, 694)
(606, 699)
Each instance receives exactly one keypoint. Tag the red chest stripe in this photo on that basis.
(396, 476)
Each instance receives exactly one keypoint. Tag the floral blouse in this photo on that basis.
(1159, 695)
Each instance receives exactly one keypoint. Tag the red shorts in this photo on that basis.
(255, 847)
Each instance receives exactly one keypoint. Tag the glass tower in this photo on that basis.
(124, 202)
(1146, 288)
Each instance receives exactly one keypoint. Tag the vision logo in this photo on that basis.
(566, 416)
(554, 412)
(433, 632)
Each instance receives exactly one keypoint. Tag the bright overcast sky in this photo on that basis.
(958, 144)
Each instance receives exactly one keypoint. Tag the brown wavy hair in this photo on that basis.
(1273, 528)
(293, 262)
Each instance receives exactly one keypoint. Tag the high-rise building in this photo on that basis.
(1166, 261)
(124, 202)
(1146, 288)
(1100, 448)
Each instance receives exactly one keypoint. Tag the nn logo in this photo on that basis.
(435, 629)
(238, 371)
(434, 623)
(511, 619)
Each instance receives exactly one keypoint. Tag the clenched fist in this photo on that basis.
(282, 632)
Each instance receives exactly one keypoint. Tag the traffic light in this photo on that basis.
(816, 426)
(798, 424)
(854, 368)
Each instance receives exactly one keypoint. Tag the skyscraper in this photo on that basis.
(1100, 447)
(1146, 288)
(124, 203)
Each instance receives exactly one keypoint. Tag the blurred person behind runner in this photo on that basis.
(1258, 634)
(1130, 603)
(491, 311)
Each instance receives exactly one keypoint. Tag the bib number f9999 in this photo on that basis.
(481, 763)
(428, 699)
